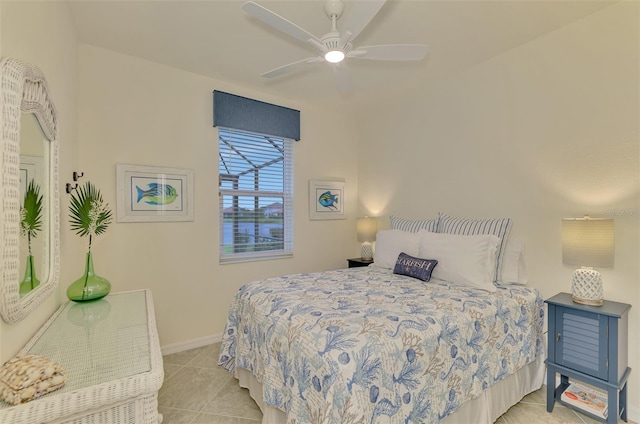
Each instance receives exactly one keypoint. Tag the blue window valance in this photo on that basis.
(241, 113)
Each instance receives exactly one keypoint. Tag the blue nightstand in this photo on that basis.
(588, 344)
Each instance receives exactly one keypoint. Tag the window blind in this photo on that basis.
(256, 190)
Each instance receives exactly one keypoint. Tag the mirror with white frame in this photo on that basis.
(29, 163)
(34, 176)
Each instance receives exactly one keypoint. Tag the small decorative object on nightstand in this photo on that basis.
(358, 262)
(587, 243)
(588, 344)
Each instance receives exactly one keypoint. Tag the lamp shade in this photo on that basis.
(366, 227)
(588, 242)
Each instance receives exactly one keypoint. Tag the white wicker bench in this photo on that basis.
(111, 353)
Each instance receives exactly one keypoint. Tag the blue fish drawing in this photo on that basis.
(328, 200)
(157, 194)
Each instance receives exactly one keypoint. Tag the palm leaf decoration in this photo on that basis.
(88, 214)
(31, 213)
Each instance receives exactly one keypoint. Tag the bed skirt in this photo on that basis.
(485, 409)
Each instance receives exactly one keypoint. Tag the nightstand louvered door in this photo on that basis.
(582, 342)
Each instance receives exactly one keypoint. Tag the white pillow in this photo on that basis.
(498, 227)
(513, 267)
(389, 245)
(467, 260)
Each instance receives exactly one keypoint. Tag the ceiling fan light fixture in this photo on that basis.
(334, 56)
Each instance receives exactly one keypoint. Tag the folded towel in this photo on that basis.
(26, 377)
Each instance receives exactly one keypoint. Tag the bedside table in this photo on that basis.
(588, 344)
(358, 262)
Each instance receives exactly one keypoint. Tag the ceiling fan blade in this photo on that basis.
(277, 22)
(390, 52)
(345, 38)
(344, 83)
(360, 16)
(292, 67)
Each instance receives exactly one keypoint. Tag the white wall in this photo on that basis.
(42, 33)
(137, 112)
(545, 131)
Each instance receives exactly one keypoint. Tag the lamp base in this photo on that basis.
(586, 287)
(366, 251)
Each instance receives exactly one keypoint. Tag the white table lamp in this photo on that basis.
(366, 228)
(588, 243)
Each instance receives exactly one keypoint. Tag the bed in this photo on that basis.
(369, 345)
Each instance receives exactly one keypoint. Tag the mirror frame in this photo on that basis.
(24, 89)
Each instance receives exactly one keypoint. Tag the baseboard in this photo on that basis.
(633, 414)
(190, 344)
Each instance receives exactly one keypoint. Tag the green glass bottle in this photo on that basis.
(30, 280)
(90, 286)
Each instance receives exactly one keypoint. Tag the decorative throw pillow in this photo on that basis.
(466, 260)
(26, 377)
(390, 243)
(498, 227)
(414, 267)
(412, 225)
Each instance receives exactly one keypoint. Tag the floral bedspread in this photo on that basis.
(363, 345)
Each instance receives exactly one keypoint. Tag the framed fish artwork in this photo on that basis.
(326, 200)
(152, 194)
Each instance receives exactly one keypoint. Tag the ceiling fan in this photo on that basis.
(336, 45)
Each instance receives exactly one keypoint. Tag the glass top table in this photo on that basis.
(113, 339)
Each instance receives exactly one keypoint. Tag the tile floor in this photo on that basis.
(197, 391)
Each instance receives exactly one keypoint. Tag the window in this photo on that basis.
(256, 188)
(255, 176)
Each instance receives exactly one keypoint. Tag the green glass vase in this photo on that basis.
(90, 286)
(30, 280)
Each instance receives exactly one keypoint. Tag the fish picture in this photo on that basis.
(157, 194)
(154, 194)
(328, 200)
